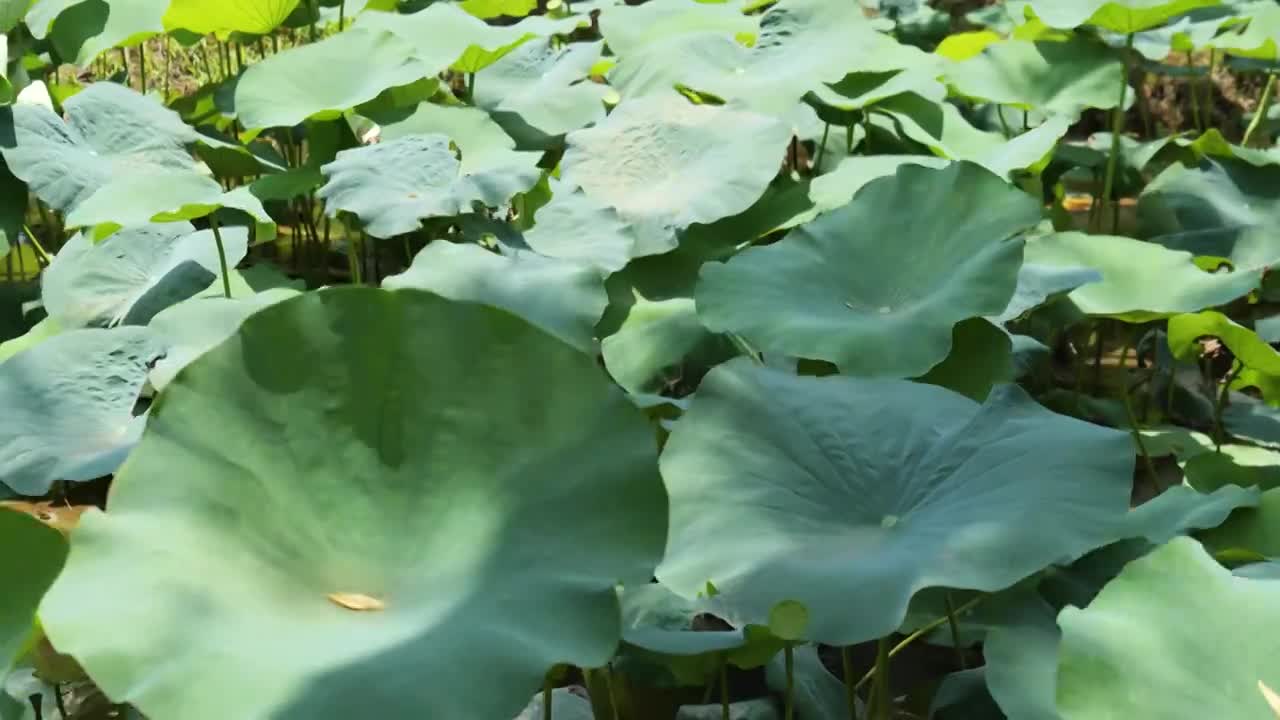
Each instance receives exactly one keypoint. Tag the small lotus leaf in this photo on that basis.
(1057, 77)
(1122, 16)
(877, 286)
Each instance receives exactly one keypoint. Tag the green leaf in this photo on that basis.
(658, 620)
(111, 134)
(255, 17)
(574, 227)
(1250, 528)
(562, 298)
(1054, 77)
(35, 557)
(100, 284)
(285, 89)
(128, 23)
(1140, 280)
(392, 186)
(486, 9)
(1259, 37)
(1181, 509)
(545, 86)
(834, 290)
(665, 164)
(838, 187)
(289, 524)
(42, 13)
(630, 29)
(1125, 656)
(1122, 16)
(1248, 348)
(802, 44)
(165, 197)
(839, 492)
(981, 357)
(69, 406)
(1039, 284)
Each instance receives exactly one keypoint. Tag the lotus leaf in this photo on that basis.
(665, 162)
(111, 133)
(1057, 77)
(69, 405)
(877, 286)
(290, 522)
(1140, 280)
(226, 16)
(563, 298)
(1122, 16)
(101, 284)
(1208, 668)
(545, 86)
(574, 227)
(27, 575)
(629, 29)
(852, 493)
(285, 89)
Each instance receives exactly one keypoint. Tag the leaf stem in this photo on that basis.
(222, 256)
(924, 630)
(850, 692)
(883, 703)
(1263, 106)
(724, 688)
(1147, 462)
(1193, 88)
(789, 658)
(822, 150)
(546, 698)
(1219, 406)
(955, 632)
(1117, 127)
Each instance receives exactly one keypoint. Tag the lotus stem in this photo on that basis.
(850, 691)
(822, 150)
(789, 658)
(41, 256)
(1194, 88)
(1263, 106)
(724, 688)
(342, 15)
(883, 703)
(546, 698)
(1207, 105)
(955, 632)
(1219, 429)
(60, 703)
(142, 67)
(222, 256)
(315, 30)
(925, 630)
(1003, 124)
(471, 88)
(1117, 127)
(1147, 463)
(124, 58)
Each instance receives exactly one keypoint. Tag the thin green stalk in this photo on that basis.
(41, 256)
(208, 66)
(919, 633)
(789, 658)
(342, 15)
(239, 58)
(1194, 90)
(168, 63)
(866, 132)
(850, 693)
(124, 57)
(353, 258)
(955, 632)
(1220, 405)
(724, 688)
(275, 43)
(60, 703)
(315, 13)
(222, 256)
(1263, 106)
(822, 150)
(1117, 126)
(546, 698)
(1004, 126)
(1147, 462)
(1207, 105)
(142, 67)
(848, 140)
(883, 702)
(471, 88)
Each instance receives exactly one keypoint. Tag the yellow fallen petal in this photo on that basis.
(357, 601)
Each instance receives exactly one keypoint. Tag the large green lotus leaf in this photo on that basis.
(1219, 201)
(128, 23)
(667, 163)
(34, 557)
(851, 495)
(563, 298)
(944, 131)
(1181, 509)
(1189, 33)
(877, 285)
(1125, 656)
(69, 406)
(802, 44)
(392, 186)
(545, 86)
(1055, 77)
(255, 17)
(444, 35)
(1122, 16)
(110, 133)
(1140, 280)
(658, 620)
(629, 29)
(574, 227)
(286, 89)
(101, 283)
(486, 9)
(656, 334)
(1038, 284)
(500, 454)
(1021, 653)
(981, 358)
(196, 326)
